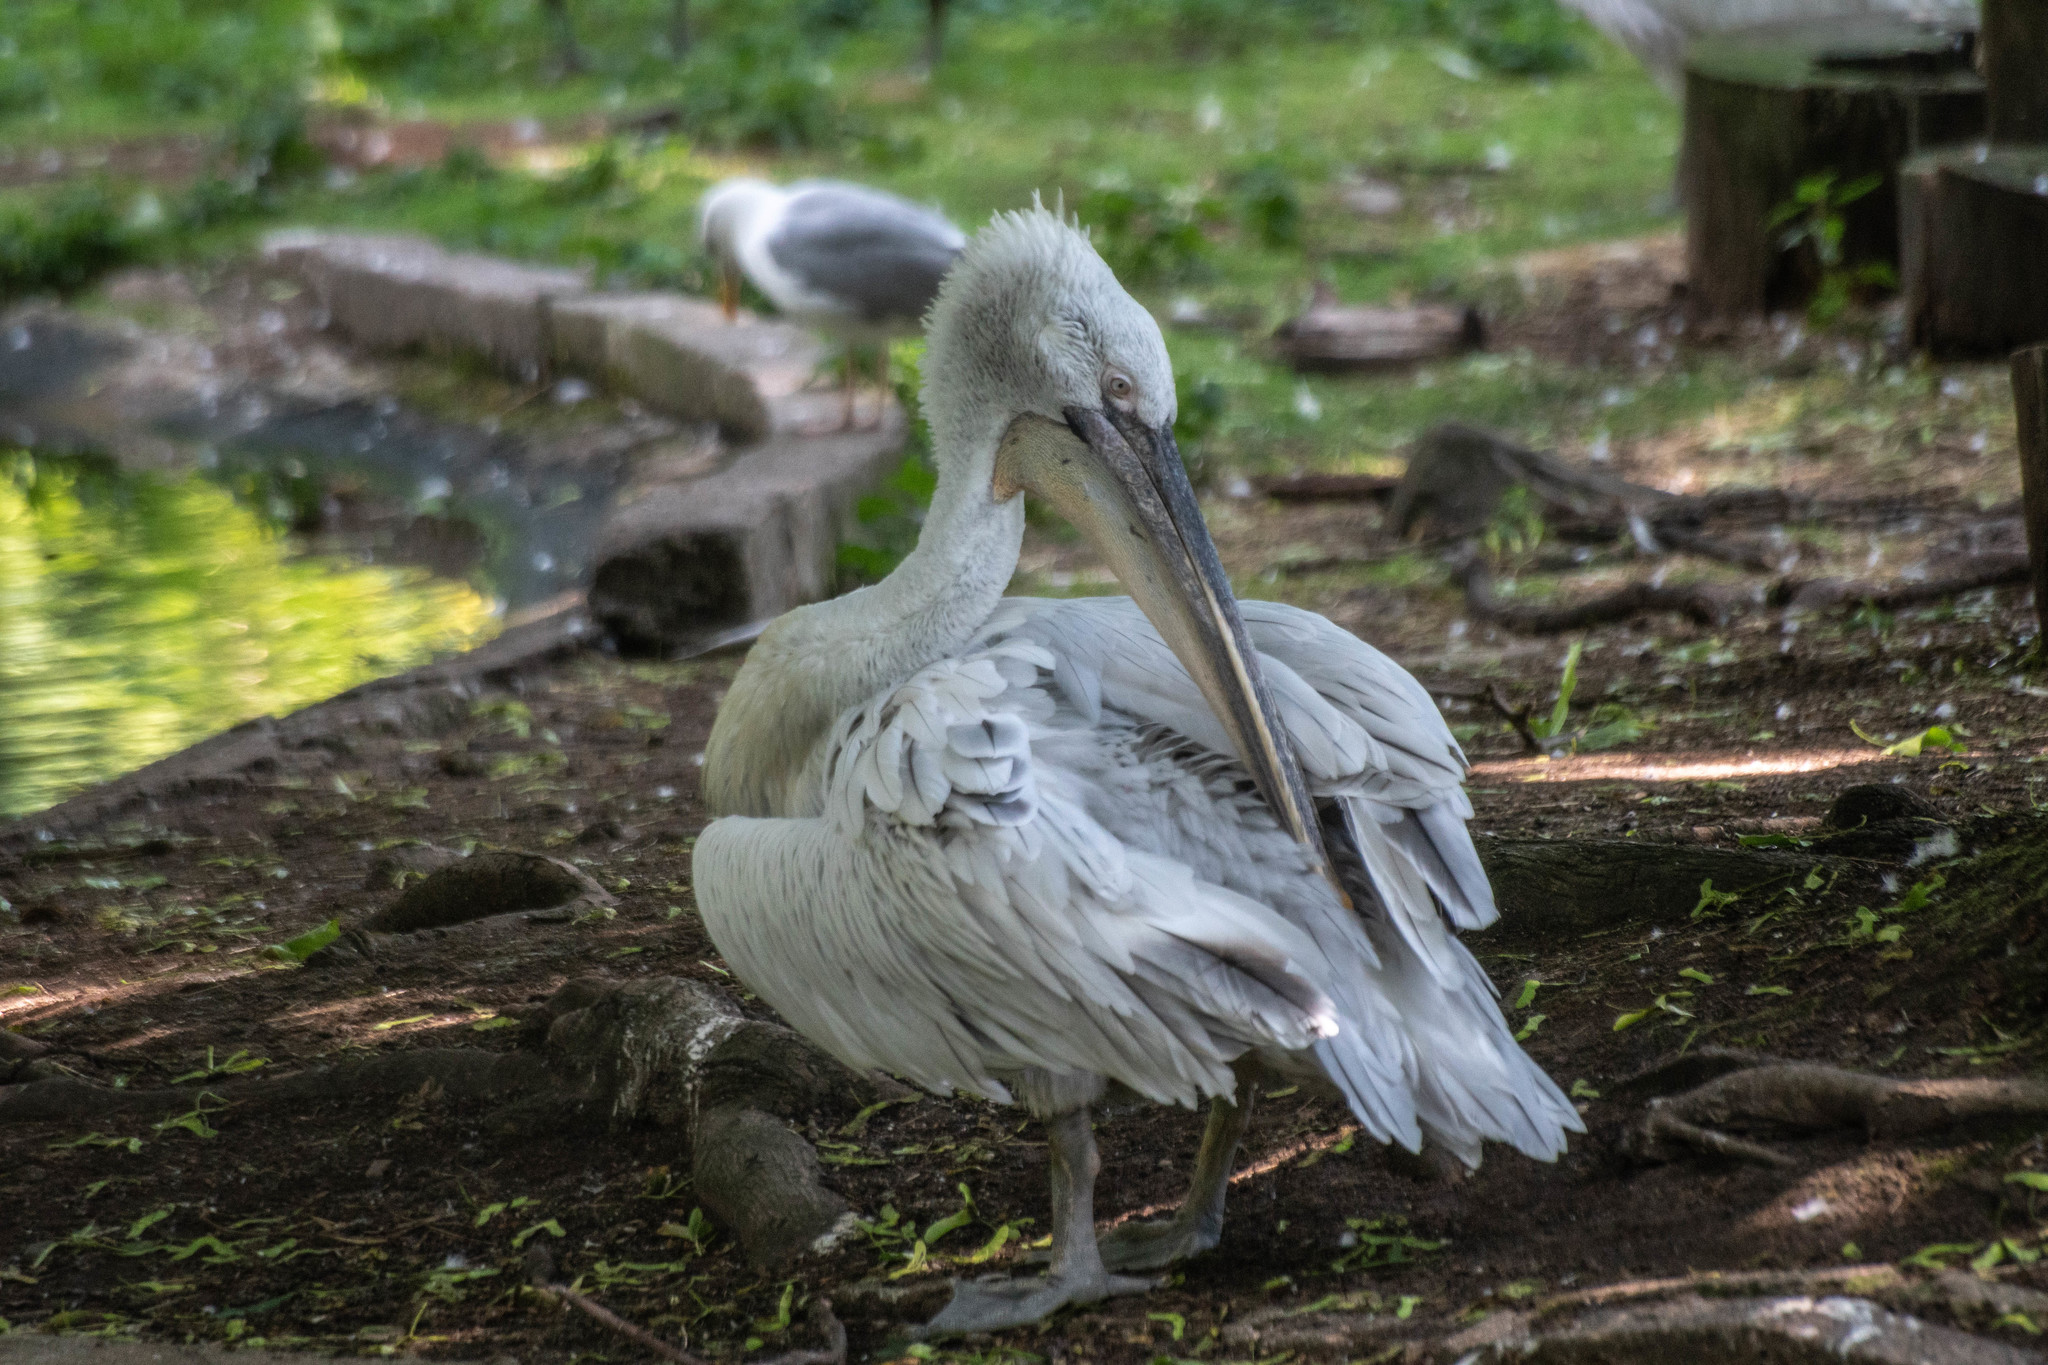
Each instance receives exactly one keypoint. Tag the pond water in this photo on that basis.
(141, 612)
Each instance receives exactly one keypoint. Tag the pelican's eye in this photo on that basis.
(1119, 387)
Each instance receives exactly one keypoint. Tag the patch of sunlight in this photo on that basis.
(140, 613)
(1613, 767)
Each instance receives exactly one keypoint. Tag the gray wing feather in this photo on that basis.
(881, 256)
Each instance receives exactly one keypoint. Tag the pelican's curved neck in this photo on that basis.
(817, 661)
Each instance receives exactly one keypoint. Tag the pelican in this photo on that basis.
(1032, 849)
(855, 263)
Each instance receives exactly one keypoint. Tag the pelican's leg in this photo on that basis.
(846, 417)
(1076, 1275)
(1198, 1224)
(882, 378)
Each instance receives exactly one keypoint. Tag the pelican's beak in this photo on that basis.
(729, 291)
(1125, 488)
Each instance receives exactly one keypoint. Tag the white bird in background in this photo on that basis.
(1658, 32)
(1029, 848)
(852, 262)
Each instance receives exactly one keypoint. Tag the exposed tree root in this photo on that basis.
(1659, 1130)
(1709, 605)
(1802, 1096)
(1861, 1279)
(1693, 601)
(666, 1052)
(1981, 571)
(1459, 476)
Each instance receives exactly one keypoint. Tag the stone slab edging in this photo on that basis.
(676, 354)
(393, 292)
(744, 542)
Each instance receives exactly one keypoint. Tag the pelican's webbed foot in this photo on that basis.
(1077, 1274)
(1158, 1244)
(995, 1304)
(1198, 1224)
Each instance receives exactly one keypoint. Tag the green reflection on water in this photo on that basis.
(138, 614)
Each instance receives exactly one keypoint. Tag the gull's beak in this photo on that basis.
(1124, 487)
(729, 291)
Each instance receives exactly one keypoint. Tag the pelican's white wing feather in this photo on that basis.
(1421, 1029)
(956, 915)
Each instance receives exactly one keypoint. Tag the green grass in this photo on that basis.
(1065, 103)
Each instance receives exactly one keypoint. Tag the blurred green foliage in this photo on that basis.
(756, 76)
(66, 238)
(1148, 232)
(138, 614)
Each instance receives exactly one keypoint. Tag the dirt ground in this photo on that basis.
(138, 951)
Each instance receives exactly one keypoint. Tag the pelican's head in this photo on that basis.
(1042, 374)
(723, 214)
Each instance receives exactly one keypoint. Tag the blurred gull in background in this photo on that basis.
(855, 263)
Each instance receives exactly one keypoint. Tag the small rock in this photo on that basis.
(377, 1168)
(1872, 803)
(461, 763)
(604, 832)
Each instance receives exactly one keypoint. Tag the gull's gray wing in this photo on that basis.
(882, 257)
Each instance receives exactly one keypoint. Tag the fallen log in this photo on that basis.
(1334, 338)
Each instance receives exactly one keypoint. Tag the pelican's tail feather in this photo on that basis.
(1473, 1082)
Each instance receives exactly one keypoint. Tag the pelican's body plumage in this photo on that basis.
(1026, 847)
(1041, 853)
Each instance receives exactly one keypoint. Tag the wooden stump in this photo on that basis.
(1975, 253)
(2015, 44)
(2030, 396)
(1769, 107)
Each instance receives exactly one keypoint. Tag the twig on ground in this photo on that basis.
(1518, 717)
(605, 1317)
(540, 1267)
